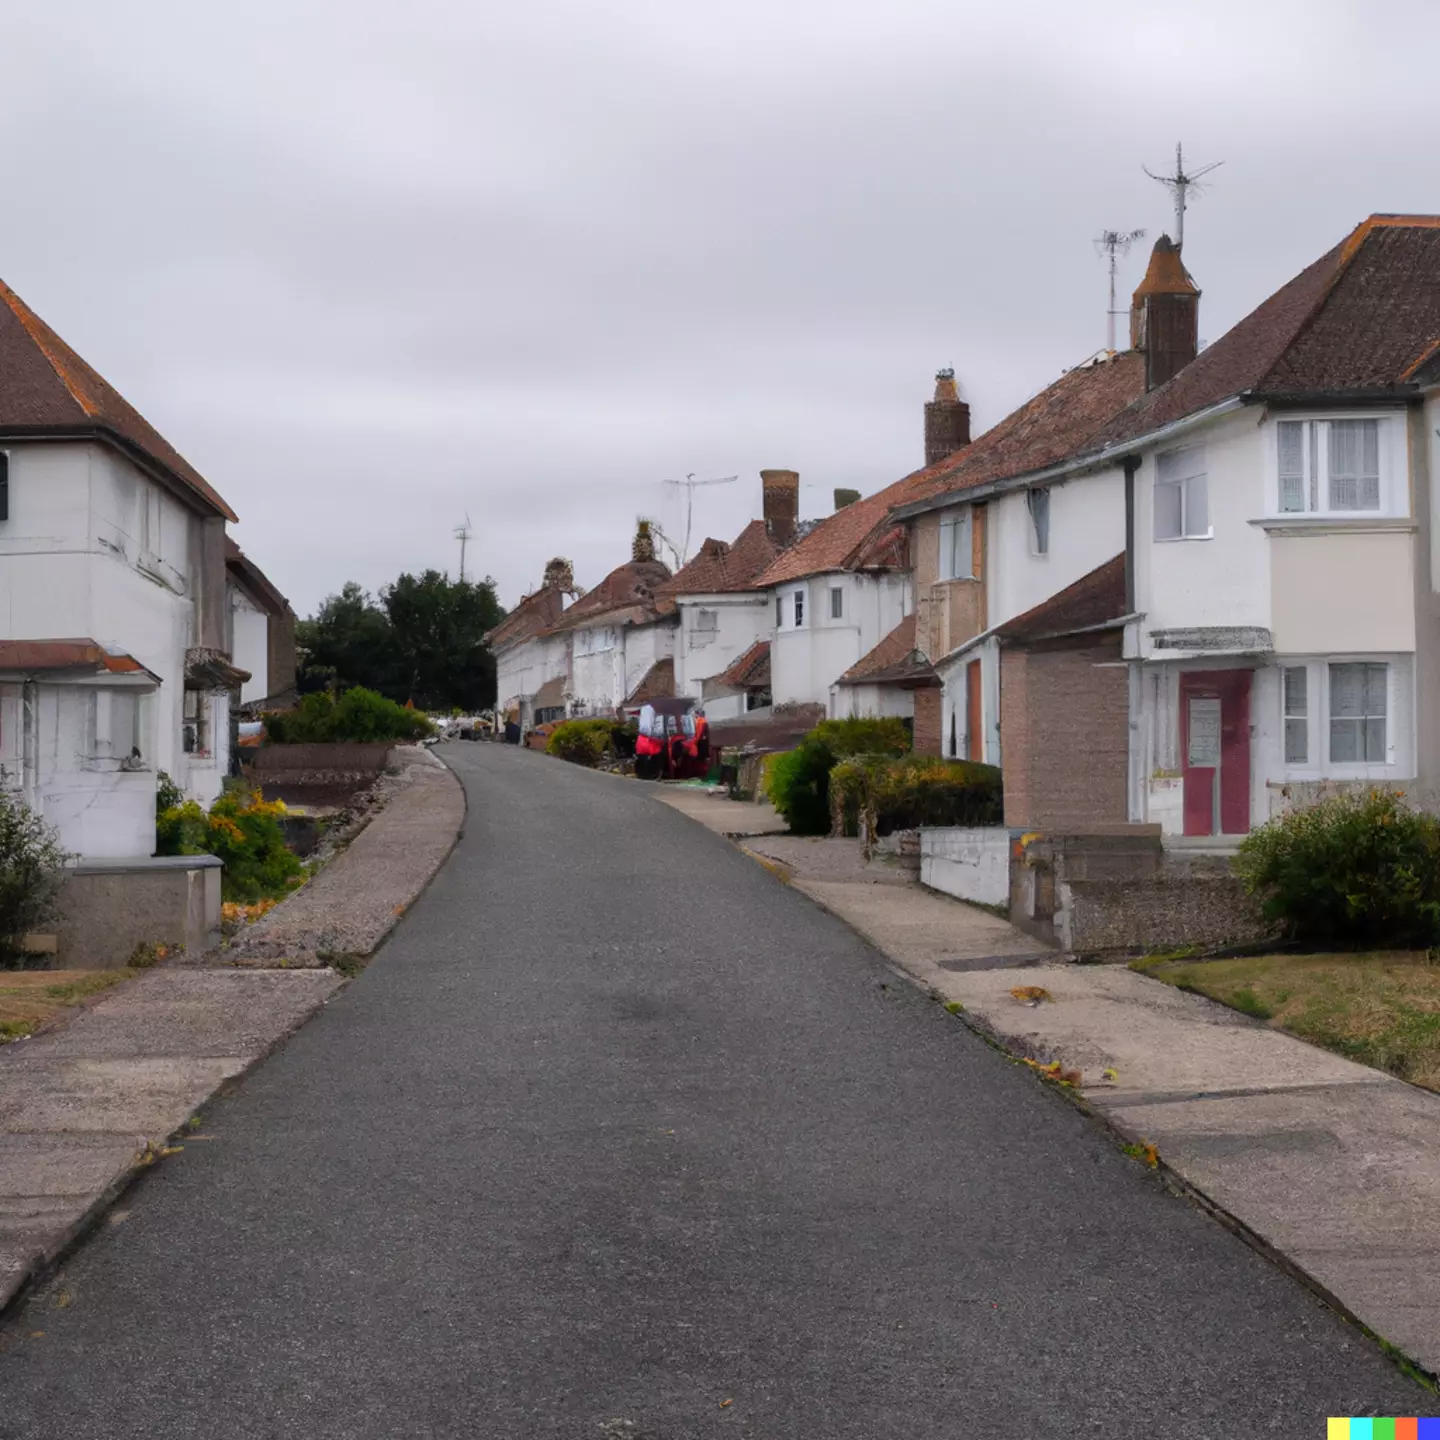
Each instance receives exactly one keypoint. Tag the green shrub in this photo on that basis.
(357, 715)
(905, 792)
(1358, 869)
(241, 830)
(797, 782)
(863, 735)
(31, 873)
(581, 742)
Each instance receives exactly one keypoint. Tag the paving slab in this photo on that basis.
(1330, 1164)
(720, 813)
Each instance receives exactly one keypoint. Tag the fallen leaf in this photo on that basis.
(1030, 994)
(1109, 1073)
(724, 1403)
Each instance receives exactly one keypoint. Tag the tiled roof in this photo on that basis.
(47, 389)
(626, 595)
(719, 567)
(1060, 421)
(892, 661)
(1359, 319)
(847, 540)
(37, 656)
(531, 617)
(255, 579)
(658, 680)
(750, 671)
(1094, 599)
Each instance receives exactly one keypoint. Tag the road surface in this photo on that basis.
(619, 1136)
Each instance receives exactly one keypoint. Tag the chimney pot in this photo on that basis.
(780, 495)
(947, 420)
(1165, 315)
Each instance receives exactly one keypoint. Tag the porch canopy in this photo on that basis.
(85, 662)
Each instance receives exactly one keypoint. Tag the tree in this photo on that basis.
(438, 626)
(349, 642)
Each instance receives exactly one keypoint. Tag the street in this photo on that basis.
(620, 1136)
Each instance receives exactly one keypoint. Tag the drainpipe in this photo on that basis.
(1131, 464)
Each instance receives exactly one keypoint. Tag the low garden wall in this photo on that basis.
(970, 863)
(300, 764)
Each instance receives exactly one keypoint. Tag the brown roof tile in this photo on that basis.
(658, 680)
(1060, 421)
(720, 568)
(627, 595)
(47, 389)
(534, 615)
(750, 671)
(1094, 599)
(36, 656)
(893, 661)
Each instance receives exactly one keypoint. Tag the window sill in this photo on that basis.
(1334, 524)
(1183, 539)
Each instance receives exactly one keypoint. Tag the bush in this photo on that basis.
(242, 830)
(358, 715)
(905, 792)
(797, 783)
(863, 735)
(582, 742)
(1359, 869)
(31, 873)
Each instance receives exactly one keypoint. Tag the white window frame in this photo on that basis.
(837, 602)
(797, 608)
(1194, 488)
(957, 538)
(1394, 492)
(1399, 719)
(1038, 499)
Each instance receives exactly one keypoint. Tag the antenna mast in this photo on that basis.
(1115, 244)
(690, 484)
(1179, 185)
(463, 534)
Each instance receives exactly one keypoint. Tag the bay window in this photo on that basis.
(1332, 467)
(1345, 717)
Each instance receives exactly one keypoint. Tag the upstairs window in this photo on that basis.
(837, 602)
(1182, 495)
(779, 611)
(1330, 467)
(799, 608)
(957, 556)
(1039, 505)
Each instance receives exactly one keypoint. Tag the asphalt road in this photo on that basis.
(619, 1136)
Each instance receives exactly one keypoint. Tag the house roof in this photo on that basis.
(657, 681)
(534, 615)
(893, 661)
(254, 579)
(47, 389)
(1060, 421)
(627, 595)
(750, 671)
(720, 568)
(1093, 600)
(861, 536)
(51, 656)
(1361, 320)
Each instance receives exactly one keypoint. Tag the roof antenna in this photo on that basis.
(463, 534)
(1115, 244)
(1179, 184)
(689, 483)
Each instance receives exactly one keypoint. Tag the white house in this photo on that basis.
(722, 617)
(620, 636)
(261, 634)
(113, 572)
(532, 664)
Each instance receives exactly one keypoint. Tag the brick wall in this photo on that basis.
(927, 720)
(1065, 733)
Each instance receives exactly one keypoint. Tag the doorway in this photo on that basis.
(1215, 751)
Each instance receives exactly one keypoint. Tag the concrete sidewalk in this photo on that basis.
(1329, 1165)
(84, 1107)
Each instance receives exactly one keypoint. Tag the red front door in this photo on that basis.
(1215, 751)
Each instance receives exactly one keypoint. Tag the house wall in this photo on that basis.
(644, 646)
(1065, 711)
(597, 668)
(521, 669)
(1338, 592)
(948, 612)
(806, 662)
(1087, 528)
(250, 644)
(929, 703)
(702, 653)
(95, 549)
(867, 700)
(955, 709)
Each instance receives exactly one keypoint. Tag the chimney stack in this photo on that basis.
(845, 497)
(643, 549)
(947, 420)
(780, 490)
(559, 575)
(1165, 315)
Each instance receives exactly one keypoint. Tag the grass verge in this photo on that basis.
(30, 999)
(1381, 1008)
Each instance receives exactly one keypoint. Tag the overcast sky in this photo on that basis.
(373, 265)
